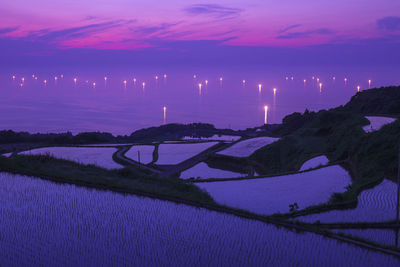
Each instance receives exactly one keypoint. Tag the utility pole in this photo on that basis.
(138, 156)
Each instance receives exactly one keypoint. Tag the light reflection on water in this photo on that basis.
(230, 97)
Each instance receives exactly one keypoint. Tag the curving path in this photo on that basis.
(120, 155)
(171, 170)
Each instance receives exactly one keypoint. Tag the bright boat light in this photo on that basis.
(265, 114)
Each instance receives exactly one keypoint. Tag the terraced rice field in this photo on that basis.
(385, 237)
(99, 156)
(247, 147)
(107, 145)
(314, 162)
(176, 153)
(377, 204)
(275, 194)
(48, 224)
(202, 171)
(377, 123)
(146, 153)
(215, 137)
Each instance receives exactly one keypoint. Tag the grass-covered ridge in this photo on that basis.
(127, 180)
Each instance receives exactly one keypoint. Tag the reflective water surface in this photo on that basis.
(81, 99)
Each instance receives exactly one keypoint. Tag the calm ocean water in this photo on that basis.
(110, 105)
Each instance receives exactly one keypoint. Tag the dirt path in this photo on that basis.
(171, 170)
(120, 155)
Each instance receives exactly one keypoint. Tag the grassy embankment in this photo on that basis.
(128, 179)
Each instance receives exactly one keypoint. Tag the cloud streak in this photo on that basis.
(213, 10)
(159, 29)
(306, 34)
(8, 30)
(75, 32)
(389, 23)
(289, 28)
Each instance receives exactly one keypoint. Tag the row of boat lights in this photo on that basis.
(200, 86)
(195, 76)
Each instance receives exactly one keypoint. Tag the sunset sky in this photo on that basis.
(46, 27)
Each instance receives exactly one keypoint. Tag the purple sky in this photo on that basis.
(254, 30)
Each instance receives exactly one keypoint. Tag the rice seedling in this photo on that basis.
(314, 162)
(386, 237)
(228, 138)
(247, 147)
(176, 153)
(275, 194)
(145, 152)
(377, 123)
(99, 156)
(107, 145)
(374, 205)
(45, 223)
(202, 171)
